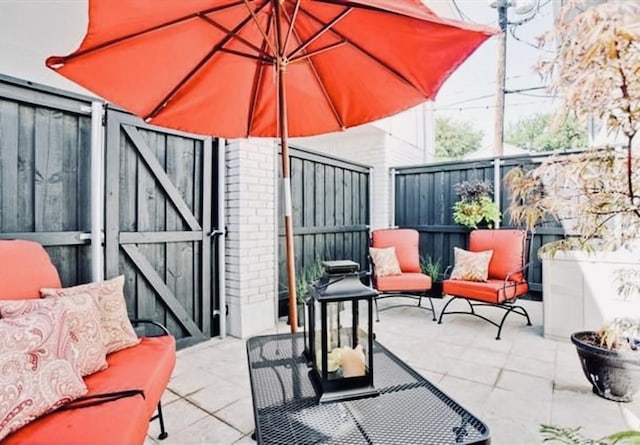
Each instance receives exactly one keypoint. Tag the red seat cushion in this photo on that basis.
(26, 267)
(508, 251)
(406, 242)
(406, 282)
(492, 291)
(147, 366)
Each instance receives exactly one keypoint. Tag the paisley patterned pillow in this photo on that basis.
(471, 266)
(38, 374)
(83, 320)
(385, 261)
(116, 327)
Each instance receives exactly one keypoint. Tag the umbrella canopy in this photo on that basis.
(274, 68)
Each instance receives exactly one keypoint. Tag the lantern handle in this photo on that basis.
(329, 283)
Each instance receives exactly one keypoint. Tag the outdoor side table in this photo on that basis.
(409, 409)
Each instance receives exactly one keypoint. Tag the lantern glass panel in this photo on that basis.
(347, 339)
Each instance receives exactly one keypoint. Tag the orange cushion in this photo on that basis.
(508, 251)
(406, 282)
(491, 291)
(26, 267)
(147, 366)
(406, 242)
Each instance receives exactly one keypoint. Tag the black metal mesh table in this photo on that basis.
(409, 409)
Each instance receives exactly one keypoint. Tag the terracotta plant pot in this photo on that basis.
(613, 375)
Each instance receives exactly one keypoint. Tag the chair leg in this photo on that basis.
(433, 309)
(375, 300)
(163, 432)
(444, 309)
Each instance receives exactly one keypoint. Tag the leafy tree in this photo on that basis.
(538, 133)
(456, 138)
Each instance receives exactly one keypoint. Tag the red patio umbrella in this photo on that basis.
(273, 68)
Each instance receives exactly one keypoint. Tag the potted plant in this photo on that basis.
(475, 206)
(304, 279)
(432, 267)
(609, 359)
(594, 193)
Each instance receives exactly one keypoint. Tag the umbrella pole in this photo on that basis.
(281, 66)
(286, 185)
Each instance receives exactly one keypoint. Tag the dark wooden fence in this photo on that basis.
(159, 214)
(45, 139)
(330, 204)
(424, 197)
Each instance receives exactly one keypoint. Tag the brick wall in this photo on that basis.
(251, 262)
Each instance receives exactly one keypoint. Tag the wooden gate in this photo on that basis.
(158, 224)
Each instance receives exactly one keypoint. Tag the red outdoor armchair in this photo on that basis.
(490, 273)
(395, 261)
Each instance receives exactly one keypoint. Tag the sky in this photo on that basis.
(470, 93)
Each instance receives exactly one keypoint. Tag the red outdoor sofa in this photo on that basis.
(143, 369)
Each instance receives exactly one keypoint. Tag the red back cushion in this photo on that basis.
(25, 267)
(508, 251)
(406, 242)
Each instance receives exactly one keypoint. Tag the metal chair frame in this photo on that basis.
(508, 305)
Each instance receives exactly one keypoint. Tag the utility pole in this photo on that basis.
(528, 9)
(498, 135)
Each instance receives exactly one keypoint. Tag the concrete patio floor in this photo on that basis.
(514, 385)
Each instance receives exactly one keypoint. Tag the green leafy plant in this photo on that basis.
(306, 277)
(431, 266)
(573, 436)
(475, 205)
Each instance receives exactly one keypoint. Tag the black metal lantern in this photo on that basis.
(338, 333)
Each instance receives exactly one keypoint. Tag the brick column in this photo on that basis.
(251, 247)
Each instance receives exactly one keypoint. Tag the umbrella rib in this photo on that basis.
(259, 26)
(148, 30)
(384, 65)
(254, 88)
(199, 65)
(237, 37)
(292, 23)
(325, 27)
(247, 55)
(325, 93)
(307, 55)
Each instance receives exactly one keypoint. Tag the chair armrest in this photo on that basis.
(513, 272)
(160, 326)
(509, 283)
(371, 272)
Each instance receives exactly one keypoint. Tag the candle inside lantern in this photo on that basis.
(352, 361)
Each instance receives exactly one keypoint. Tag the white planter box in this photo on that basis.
(580, 291)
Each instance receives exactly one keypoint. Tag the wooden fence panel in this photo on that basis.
(425, 195)
(330, 204)
(45, 171)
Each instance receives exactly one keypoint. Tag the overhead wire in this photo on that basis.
(488, 107)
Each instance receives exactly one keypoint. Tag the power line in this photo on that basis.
(468, 100)
(488, 107)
